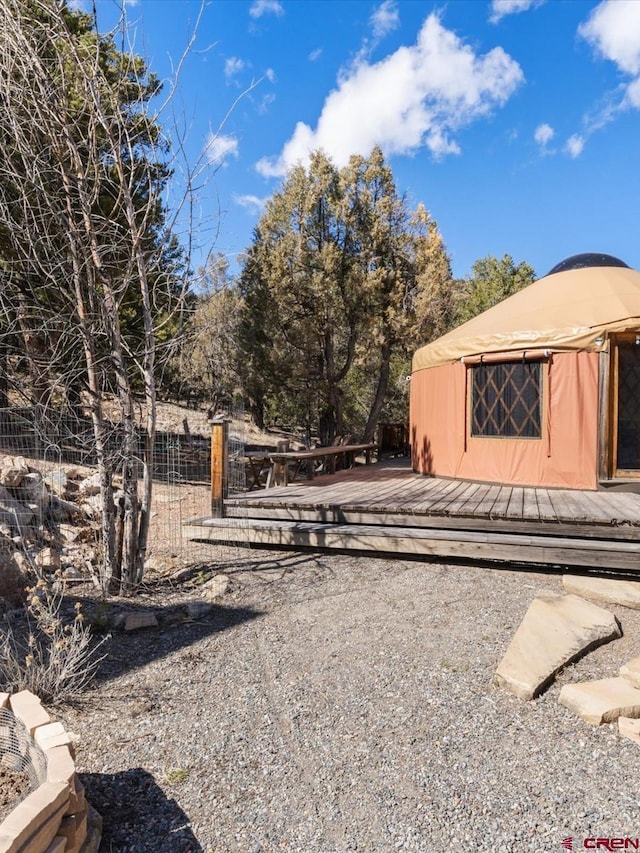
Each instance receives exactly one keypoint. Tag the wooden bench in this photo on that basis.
(280, 461)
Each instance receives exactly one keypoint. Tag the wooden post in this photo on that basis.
(219, 465)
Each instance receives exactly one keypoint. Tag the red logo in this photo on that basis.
(567, 843)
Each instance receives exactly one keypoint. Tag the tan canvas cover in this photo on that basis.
(565, 311)
(564, 456)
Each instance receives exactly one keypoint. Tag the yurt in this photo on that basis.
(543, 389)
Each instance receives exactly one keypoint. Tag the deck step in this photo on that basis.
(381, 539)
(328, 514)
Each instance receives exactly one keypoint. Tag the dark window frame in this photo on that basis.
(506, 399)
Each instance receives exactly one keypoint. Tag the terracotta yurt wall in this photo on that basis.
(565, 456)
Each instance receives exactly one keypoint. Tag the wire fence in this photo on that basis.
(59, 445)
(18, 751)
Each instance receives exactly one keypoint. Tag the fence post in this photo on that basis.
(219, 465)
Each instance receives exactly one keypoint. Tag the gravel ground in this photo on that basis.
(334, 703)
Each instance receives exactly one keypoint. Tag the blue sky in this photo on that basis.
(515, 122)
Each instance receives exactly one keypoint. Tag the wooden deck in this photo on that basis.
(386, 509)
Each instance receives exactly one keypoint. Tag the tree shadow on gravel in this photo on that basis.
(176, 629)
(137, 815)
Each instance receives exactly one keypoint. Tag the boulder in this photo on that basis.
(141, 619)
(215, 588)
(13, 513)
(628, 727)
(57, 482)
(90, 485)
(12, 471)
(68, 533)
(555, 631)
(61, 510)
(608, 590)
(631, 671)
(48, 559)
(199, 609)
(33, 490)
(602, 701)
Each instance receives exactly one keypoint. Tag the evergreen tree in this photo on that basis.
(490, 282)
(334, 295)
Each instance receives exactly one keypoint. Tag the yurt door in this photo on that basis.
(626, 407)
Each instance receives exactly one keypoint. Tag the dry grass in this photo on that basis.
(51, 656)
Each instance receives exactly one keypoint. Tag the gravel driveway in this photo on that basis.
(336, 703)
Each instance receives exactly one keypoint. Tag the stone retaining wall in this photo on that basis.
(54, 817)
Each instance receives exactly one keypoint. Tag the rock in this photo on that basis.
(13, 513)
(91, 844)
(142, 619)
(21, 561)
(198, 609)
(631, 671)
(13, 471)
(92, 506)
(90, 485)
(73, 575)
(215, 588)
(61, 510)
(48, 559)
(602, 701)
(630, 728)
(155, 564)
(608, 590)
(74, 473)
(556, 630)
(89, 510)
(33, 489)
(58, 482)
(68, 533)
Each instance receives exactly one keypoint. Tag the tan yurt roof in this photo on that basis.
(566, 310)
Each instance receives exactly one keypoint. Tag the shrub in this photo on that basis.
(51, 657)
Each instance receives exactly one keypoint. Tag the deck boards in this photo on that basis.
(392, 488)
(386, 508)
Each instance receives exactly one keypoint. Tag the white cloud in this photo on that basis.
(613, 29)
(315, 54)
(385, 19)
(219, 148)
(417, 96)
(251, 203)
(270, 74)
(501, 8)
(574, 145)
(266, 7)
(543, 135)
(233, 66)
(632, 97)
(265, 103)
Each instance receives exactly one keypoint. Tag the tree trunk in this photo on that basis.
(381, 391)
(4, 377)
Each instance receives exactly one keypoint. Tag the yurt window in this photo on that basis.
(506, 399)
